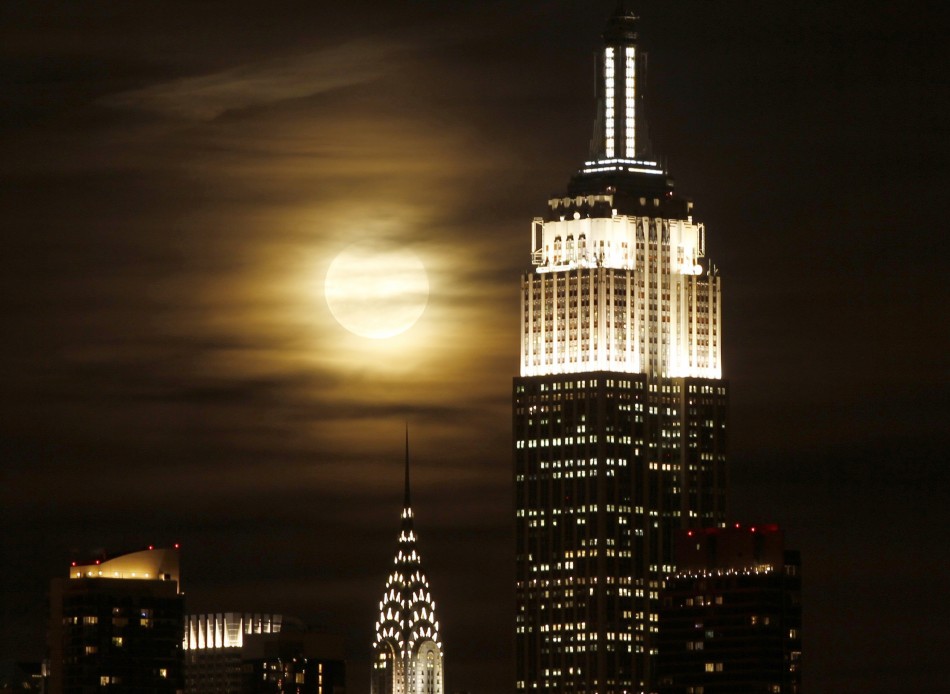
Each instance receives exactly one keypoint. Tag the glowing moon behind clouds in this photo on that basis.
(376, 290)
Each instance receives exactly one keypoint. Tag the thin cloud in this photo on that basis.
(209, 96)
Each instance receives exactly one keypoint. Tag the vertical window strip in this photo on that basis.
(630, 102)
(609, 102)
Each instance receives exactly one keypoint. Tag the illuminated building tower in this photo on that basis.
(620, 407)
(407, 652)
(731, 617)
(117, 624)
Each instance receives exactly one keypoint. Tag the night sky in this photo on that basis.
(175, 178)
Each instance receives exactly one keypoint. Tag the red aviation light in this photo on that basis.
(177, 545)
(151, 546)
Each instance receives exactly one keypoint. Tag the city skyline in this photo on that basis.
(178, 178)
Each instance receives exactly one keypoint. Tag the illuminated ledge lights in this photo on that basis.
(635, 162)
(631, 165)
(714, 573)
(152, 564)
(579, 262)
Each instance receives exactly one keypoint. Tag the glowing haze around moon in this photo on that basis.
(376, 291)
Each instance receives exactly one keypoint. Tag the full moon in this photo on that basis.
(376, 291)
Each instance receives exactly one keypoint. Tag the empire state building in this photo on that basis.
(620, 407)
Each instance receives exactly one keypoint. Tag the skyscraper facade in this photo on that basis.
(407, 650)
(117, 625)
(731, 616)
(620, 407)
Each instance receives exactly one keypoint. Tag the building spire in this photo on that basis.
(621, 156)
(407, 652)
(406, 502)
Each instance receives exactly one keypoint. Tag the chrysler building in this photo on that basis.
(407, 650)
